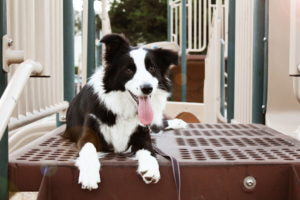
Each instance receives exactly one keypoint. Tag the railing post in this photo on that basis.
(169, 20)
(3, 83)
(68, 29)
(91, 39)
(231, 60)
(266, 61)
(183, 51)
(98, 54)
(222, 79)
(258, 62)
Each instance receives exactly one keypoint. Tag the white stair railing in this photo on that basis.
(14, 89)
(199, 20)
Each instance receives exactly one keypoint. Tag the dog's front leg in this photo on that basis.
(141, 145)
(88, 162)
(148, 166)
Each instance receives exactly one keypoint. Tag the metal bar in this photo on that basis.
(14, 89)
(294, 59)
(226, 10)
(106, 27)
(53, 50)
(205, 27)
(3, 83)
(56, 49)
(22, 121)
(210, 15)
(98, 50)
(176, 26)
(68, 24)
(30, 48)
(195, 24)
(47, 51)
(189, 31)
(91, 39)
(265, 84)
(258, 61)
(61, 54)
(169, 20)
(222, 78)
(231, 60)
(179, 23)
(20, 21)
(183, 50)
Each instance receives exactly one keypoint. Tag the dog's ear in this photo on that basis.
(165, 58)
(115, 44)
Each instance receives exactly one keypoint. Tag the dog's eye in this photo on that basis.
(151, 69)
(129, 71)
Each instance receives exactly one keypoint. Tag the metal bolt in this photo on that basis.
(249, 182)
(10, 42)
(265, 39)
(63, 118)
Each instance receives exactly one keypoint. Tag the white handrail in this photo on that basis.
(14, 89)
(31, 117)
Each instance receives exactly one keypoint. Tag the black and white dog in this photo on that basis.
(118, 104)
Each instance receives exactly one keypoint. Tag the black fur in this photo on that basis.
(141, 139)
(85, 103)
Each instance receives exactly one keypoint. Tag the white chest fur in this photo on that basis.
(119, 134)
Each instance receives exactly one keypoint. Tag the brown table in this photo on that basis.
(215, 159)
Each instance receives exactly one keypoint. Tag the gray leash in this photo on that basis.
(175, 169)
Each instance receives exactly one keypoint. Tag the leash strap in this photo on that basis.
(175, 169)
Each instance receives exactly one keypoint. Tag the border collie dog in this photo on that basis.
(116, 109)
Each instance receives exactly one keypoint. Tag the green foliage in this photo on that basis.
(140, 20)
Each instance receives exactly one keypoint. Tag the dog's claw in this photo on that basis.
(150, 176)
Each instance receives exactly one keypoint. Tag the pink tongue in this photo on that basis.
(145, 112)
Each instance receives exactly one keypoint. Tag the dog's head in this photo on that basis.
(138, 71)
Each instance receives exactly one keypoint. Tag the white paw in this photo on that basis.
(89, 167)
(148, 167)
(176, 124)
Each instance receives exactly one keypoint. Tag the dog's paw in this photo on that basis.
(148, 167)
(176, 124)
(89, 178)
(89, 167)
(149, 171)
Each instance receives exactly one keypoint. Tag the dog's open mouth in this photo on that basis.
(134, 97)
(145, 112)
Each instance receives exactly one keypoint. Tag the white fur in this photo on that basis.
(89, 167)
(120, 103)
(141, 76)
(148, 166)
(119, 134)
(176, 124)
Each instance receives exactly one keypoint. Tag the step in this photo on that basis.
(215, 159)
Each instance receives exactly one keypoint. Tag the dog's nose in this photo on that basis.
(146, 88)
